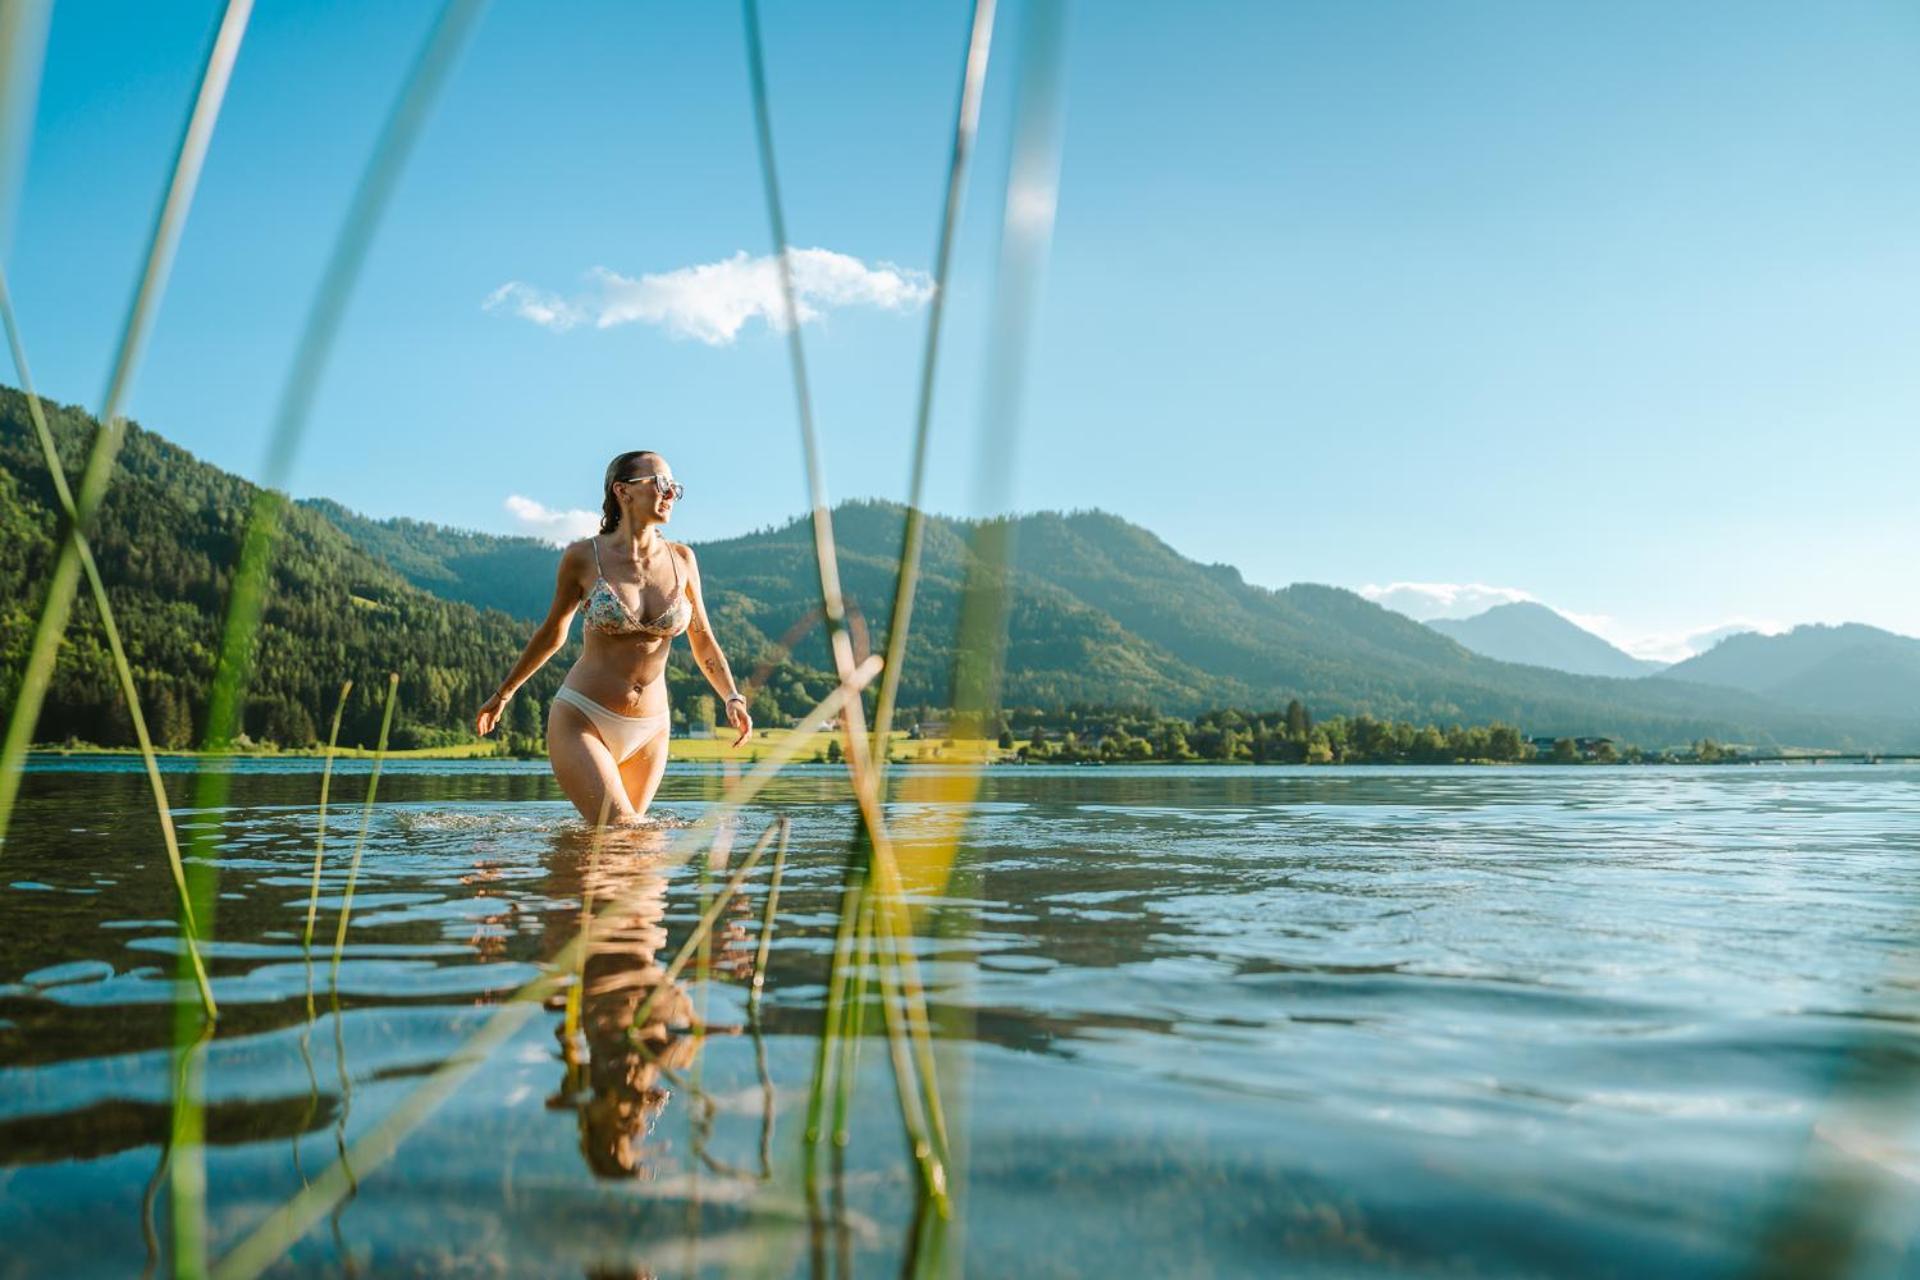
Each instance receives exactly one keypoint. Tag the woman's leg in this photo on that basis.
(584, 767)
(641, 771)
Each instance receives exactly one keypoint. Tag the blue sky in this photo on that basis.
(1611, 305)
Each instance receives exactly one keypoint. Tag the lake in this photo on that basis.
(1197, 1021)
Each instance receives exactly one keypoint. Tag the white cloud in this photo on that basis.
(1425, 601)
(555, 526)
(713, 301)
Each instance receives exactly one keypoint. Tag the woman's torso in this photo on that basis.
(628, 624)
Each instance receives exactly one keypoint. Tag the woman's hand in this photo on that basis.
(490, 712)
(737, 717)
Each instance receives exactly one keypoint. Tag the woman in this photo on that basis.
(607, 729)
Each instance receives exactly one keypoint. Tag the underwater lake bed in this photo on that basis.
(1234, 1021)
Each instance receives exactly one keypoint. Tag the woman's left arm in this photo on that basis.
(707, 655)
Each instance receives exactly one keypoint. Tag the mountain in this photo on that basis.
(166, 543)
(514, 575)
(1534, 634)
(1099, 612)
(1850, 669)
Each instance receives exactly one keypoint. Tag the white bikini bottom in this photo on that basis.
(623, 735)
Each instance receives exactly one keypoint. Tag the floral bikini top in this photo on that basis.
(606, 612)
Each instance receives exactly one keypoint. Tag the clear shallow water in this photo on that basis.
(1493, 1022)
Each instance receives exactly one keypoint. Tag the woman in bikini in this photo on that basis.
(607, 729)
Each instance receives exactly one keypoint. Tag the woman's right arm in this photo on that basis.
(546, 640)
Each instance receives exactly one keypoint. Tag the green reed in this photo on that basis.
(123, 669)
(23, 55)
(320, 836)
(838, 975)
(855, 1026)
(833, 608)
(1024, 241)
(149, 1209)
(186, 1167)
(405, 121)
(973, 80)
(366, 822)
(697, 940)
(37, 671)
(772, 910)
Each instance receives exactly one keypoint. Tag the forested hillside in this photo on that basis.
(168, 538)
(1100, 612)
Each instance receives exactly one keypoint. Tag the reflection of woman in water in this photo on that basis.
(621, 1088)
(608, 725)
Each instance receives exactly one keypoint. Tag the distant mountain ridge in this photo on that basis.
(1102, 611)
(1531, 633)
(1852, 669)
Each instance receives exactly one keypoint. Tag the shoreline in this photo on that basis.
(713, 751)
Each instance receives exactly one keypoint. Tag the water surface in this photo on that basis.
(1246, 1021)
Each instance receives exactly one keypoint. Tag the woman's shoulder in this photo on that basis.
(577, 554)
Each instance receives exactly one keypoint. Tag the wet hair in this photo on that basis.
(617, 470)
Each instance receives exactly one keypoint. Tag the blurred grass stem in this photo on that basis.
(320, 838)
(366, 822)
(37, 671)
(123, 669)
(973, 79)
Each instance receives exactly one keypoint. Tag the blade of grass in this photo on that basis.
(767, 1096)
(702, 930)
(278, 1232)
(1026, 230)
(187, 1169)
(320, 838)
(305, 1043)
(23, 56)
(149, 1201)
(1026, 237)
(1027, 222)
(98, 473)
(912, 1111)
(346, 1086)
(832, 602)
(404, 123)
(973, 79)
(849, 1071)
(766, 923)
(123, 669)
(366, 822)
(838, 972)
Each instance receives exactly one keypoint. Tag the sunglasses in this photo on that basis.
(670, 488)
